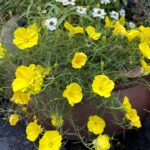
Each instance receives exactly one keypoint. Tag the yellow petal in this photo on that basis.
(145, 49)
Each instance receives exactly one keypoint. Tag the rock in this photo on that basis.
(6, 36)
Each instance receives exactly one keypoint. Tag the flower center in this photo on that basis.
(50, 145)
(26, 40)
(98, 12)
(51, 23)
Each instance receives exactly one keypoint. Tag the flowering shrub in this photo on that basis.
(76, 52)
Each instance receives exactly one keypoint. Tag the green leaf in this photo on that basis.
(125, 2)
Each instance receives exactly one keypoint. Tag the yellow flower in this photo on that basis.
(131, 114)
(43, 71)
(103, 86)
(57, 120)
(145, 66)
(132, 34)
(73, 93)
(133, 117)
(26, 37)
(96, 124)
(145, 49)
(101, 142)
(2, 51)
(122, 20)
(28, 79)
(126, 103)
(33, 130)
(144, 34)
(51, 140)
(111, 23)
(13, 119)
(20, 98)
(73, 30)
(119, 29)
(91, 31)
(79, 60)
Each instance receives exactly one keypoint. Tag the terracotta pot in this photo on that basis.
(139, 97)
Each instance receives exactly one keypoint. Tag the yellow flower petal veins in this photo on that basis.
(145, 50)
(20, 98)
(73, 30)
(29, 79)
(103, 86)
(126, 103)
(33, 130)
(79, 60)
(51, 140)
(73, 93)
(91, 31)
(101, 142)
(96, 124)
(26, 37)
(145, 66)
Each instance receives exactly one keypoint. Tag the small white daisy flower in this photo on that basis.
(122, 12)
(98, 12)
(65, 2)
(132, 25)
(105, 2)
(114, 15)
(72, 2)
(81, 10)
(51, 23)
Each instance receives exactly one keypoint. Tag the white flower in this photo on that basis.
(51, 23)
(67, 2)
(132, 25)
(114, 15)
(105, 1)
(98, 12)
(81, 10)
(122, 12)
(72, 2)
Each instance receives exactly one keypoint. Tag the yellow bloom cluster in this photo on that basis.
(111, 23)
(91, 31)
(143, 33)
(96, 125)
(131, 114)
(28, 81)
(51, 140)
